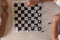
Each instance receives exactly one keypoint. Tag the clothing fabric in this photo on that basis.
(58, 2)
(59, 28)
(59, 37)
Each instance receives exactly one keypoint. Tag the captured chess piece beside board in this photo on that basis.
(4, 15)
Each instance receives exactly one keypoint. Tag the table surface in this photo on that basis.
(50, 9)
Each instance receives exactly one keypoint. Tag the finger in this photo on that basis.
(27, 4)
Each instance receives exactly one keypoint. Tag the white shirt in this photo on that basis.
(59, 37)
(59, 28)
(58, 2)
(59, 31)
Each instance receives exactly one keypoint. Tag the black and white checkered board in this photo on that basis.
(27, 18)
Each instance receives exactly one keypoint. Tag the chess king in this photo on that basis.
(56, 18)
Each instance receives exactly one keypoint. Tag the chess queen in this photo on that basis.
(56, 18)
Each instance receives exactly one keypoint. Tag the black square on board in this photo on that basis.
(36, 5)
(22, 11)
(15, 4)
(22, 25)
(19, 8)
(32, 8)
(39, 14)
(15, 11)
(40, 8)
(16, 18)
(22, 18)
(22, 4)
(25, 21)
(19, 22)
(36, 18)
(25, 15)
(39, 28)
(29, 18)
(39, 21)
(29, 11)
(16, 25)
(32, 15)
(25, 8)
(36, 25)
(29, 25)
(26, 28)
(19, 15)
(36, 11)
(32, 21)
(19, 28)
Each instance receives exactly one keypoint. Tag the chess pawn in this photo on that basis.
(4, 5)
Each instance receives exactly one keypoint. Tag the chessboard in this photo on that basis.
(27, 18)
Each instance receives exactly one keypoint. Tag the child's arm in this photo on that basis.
(33, 2)
(3, 23)
(4, 16)
(55, 28)
(48, 0)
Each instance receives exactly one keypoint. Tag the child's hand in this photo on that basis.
(32, 2)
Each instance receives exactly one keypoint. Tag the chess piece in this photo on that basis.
(3, 17)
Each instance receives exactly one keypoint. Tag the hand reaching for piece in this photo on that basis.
(32, 2)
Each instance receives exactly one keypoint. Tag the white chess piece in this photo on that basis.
(58, 2)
